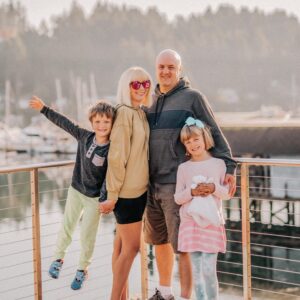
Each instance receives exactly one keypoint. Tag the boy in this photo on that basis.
(88, 183)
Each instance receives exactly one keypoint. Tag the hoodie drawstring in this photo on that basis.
(158, 112)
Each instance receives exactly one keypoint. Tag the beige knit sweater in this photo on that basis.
(127, 173)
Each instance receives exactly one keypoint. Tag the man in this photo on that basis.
(174, 102)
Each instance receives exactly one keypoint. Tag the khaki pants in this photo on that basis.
(78, 205)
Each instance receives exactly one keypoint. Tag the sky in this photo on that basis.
(43, 9)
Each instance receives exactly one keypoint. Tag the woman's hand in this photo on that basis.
(107, 206)
(36, 103)
(203, 189)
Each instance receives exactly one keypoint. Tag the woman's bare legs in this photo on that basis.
(116, 253)
(128, 243)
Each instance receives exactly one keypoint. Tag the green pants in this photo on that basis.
(78, 205)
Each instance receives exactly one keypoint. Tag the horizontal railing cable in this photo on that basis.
(230, 262)
(53, 190)
(16, 287)
(230, 273)
(14, 196)
(231, 284)
(4, 219)
(11, 208)
(276, 293)
(275, 246)
(18, 264)
(15, 276)
(232, 241)
(275, 212)
(275, 235)
(16, 230)
(273, 200)
(276, 257)
(15, 253)
(277, 281)
(15, 242)
(282, 223)
(275, 269)
(11, 185)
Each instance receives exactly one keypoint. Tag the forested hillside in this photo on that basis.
(239, 59)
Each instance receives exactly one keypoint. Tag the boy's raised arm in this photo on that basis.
(57, 118)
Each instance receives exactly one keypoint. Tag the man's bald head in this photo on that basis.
(168, 69)
(170, 54)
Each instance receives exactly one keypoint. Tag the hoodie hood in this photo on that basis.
(182, 84)
(129, 106)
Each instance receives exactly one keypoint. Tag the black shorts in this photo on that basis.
(130, 210)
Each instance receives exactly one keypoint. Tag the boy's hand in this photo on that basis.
(203, 189)
(107, 206)
(36, 103)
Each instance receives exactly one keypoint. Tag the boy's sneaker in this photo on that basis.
(55, 268)
(158, 296)
(80, 277)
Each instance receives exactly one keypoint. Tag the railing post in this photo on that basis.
(144, 268)
(246, 231)
(36, 234)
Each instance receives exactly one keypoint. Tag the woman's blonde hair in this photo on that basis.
(128, 76)
(188, 132)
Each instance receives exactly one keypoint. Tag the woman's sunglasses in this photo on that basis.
(137, 84)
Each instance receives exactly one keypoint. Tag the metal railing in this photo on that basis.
(253, 237)
(250, 215)
(35, 216)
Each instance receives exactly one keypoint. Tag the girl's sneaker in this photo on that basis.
(80, 277)
(55, 268)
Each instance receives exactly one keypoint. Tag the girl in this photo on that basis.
(202, 241)
(127, 174)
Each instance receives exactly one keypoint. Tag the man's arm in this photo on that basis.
(203, 111)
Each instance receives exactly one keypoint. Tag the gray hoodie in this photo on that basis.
(166, 117)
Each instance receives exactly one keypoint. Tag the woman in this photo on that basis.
(127, 174)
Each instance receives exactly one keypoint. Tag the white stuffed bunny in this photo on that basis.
(204, 210)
